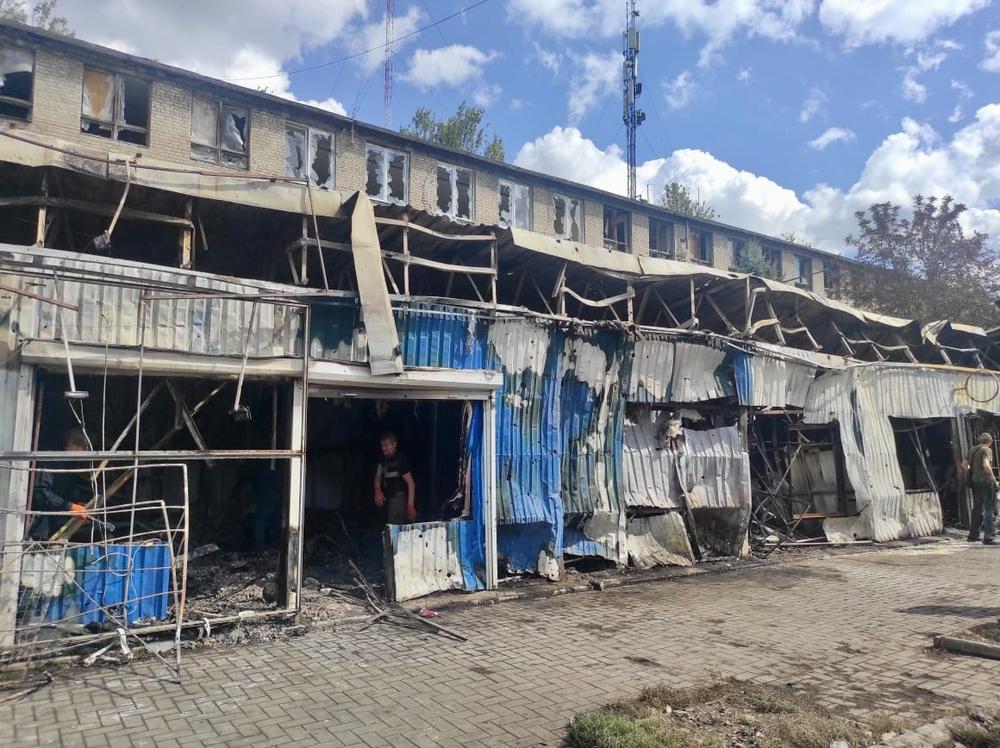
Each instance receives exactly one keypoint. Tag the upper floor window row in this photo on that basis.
(115, 106)
(386, 173)
(220, 133)
(309, 154)
(514, 205)
(454, 192)
(17, 74)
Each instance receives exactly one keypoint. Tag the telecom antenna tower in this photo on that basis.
(388, 64)
(631, 88)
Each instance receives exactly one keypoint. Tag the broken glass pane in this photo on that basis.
(204, 153)
(295, 152)
(397, 177)
(574, 217)
(237, 161)
(444, 201)
(373, 168)
(16, 68)
(463, 183)
(522, 207)
(321, 150)
(234, 130)
(505, 205)
(135, 102)
(98, 96)
(205, 123)
(559, 221)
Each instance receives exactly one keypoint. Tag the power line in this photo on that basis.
(367, 51)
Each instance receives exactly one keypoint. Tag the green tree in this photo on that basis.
(753, 260)
(43, 15)
(464, 130)
(924, 267)
(677, 198)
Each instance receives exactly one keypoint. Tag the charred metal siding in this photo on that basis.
(770, 382)
(666, 370)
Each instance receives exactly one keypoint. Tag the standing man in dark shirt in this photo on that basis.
(394, 483)
(979, 464)
(60, 492)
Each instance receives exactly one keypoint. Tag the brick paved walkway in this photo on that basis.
(854, 627)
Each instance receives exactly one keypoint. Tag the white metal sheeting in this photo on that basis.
(658, 540)
(424, 561)
(652, 368)
(862, 399)
(776, 383)
(695, 375)
(716, 468)
(109, 311)
(648, 473)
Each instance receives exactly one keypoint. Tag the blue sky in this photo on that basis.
(786, 116)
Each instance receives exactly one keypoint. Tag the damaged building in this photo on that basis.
(230, 296)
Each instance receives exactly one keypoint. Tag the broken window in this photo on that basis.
(773, 257)
(17, 72)
(617, 229)
(514, 205)
(661, 238)
(805, 274)
(454, 192)
(115, 106)
(738, 251)
(386, 171)
(831, 279)
(309, 154)
(700, 243)
(567, 221)
(220, 133)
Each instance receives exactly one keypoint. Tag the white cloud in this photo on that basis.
(454, 65)
(925, 58)
(913, 90)
(224, 38)
(812, 105)
(485, 94)
(829, 136)
(991, 62)
(898, 21)
(679, 91)
(595, 76)
(912, 161)
(330, 105)
(718, 21)
(744, 75)
(964, 94)
(550, 60)
(372, 37)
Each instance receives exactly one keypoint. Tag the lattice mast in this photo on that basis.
(388, 63)
(631, 88)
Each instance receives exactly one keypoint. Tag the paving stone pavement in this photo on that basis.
(855, 629)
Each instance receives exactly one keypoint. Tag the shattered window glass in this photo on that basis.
(321, 158)
(617, 229)
(444, 175)
(295, 151)
(568, 221)
(386, 174)
(661, 238)
(16, 74)
(397, 177)
(506, 207)
(454, 191)
(559, 219)
(576, 220)
(522, 207)
(219, 133)
(805, 272)
(115, 106)
(373, 169)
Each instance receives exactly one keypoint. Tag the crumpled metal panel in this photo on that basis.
(658, 540)
(109, 311)
(648, 473)
(652, 367)
(770, 382)
(697, 374)
(426, 558)
(716, 468)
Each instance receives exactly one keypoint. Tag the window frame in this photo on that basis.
(220, 111)
(775, 256)
(28, 104)
(832, 290)
(612, 243)
(453, 171)
(512, 186)
(384, 152)
(568, 231)
(113, 124)
(737, 248)
(307, 165)
(653, 232)
(808, 282)
(703, 237)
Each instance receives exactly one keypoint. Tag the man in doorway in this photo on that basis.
(394, 484)
(60, 492)
(979, 465)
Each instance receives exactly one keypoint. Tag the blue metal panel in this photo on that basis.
(743, 374)
(442, 337)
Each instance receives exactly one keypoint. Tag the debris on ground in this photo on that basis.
(729, 713)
